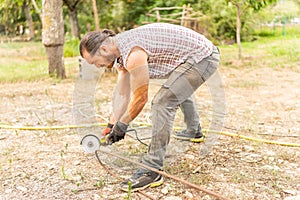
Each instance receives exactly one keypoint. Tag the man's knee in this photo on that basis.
(166, 98)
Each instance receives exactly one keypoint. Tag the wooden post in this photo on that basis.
(238, 29)
(182, 16)
(157, 16)
(187, 14)
(95, 10)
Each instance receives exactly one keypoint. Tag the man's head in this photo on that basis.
(99, 48)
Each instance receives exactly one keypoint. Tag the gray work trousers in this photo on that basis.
(190, 114)
(175, 92)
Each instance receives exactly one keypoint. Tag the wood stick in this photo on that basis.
(165, 175)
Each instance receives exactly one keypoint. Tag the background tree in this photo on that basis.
(16, 16)
(12, 16)
(134, 11)
(53, 36)
(241, 7)
(95, 11)
(26, 9)
(37, 9)
(72, 6)
(218, 21)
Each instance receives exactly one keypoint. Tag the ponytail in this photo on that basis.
(108, 33)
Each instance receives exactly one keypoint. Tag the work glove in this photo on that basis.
(108, 129)
(117, 133)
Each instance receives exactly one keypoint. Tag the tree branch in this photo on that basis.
(38, 10)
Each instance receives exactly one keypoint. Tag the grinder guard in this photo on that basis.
(90, 143)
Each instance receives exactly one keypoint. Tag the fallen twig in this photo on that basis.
(86, 189)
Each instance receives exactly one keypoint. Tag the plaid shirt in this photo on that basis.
(167, 46)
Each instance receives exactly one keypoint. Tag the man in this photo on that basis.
(184, 57)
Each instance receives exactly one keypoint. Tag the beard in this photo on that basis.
(111, 59)
(110, 65)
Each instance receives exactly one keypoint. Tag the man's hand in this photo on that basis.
(117, 133)
(108, 129)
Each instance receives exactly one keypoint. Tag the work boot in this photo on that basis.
(142, 179)
(185, 135)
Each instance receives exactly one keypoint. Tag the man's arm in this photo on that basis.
(137, 67)
(121, 96)
(135, 80)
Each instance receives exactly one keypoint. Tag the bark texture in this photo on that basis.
(53, 36)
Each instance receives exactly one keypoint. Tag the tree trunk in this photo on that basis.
(95, 10)
(72, 6)
(53, 36)
(55, 60)
(74, 23)
(238, 30)
(29, 19)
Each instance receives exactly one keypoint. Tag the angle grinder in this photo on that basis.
(91, 143)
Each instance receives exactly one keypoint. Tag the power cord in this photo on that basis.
(136, 136)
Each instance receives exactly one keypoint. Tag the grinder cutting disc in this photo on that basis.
(90, 143)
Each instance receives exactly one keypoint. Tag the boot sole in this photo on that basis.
(196, 140)
(151, 185)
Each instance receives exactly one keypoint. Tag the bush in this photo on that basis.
(265, 33)
(71, 46)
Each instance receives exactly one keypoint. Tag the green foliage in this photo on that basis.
(220, 21)
(63, 172)
(100, 183)
(85, 17)
(71, 46)
(170, 3)
(256, 5)
(266, 33)
(11, 16)
(129, 191)
(224, 22)
(134, 11)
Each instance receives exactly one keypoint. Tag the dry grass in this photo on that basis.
(51, 164)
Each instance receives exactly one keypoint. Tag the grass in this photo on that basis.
(27, 61)
(22, 61)
(275, 51)
(246, 84)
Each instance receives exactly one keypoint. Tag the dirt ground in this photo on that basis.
(50, 164)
